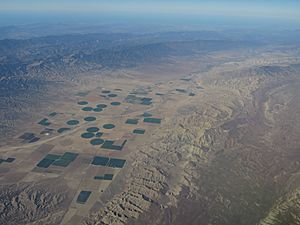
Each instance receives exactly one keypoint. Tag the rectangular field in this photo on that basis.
(152, 120)
(83, 197)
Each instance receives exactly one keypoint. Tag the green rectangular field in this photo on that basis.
(61, 162)
(108, 176)
(45, 163)
(69, 156)
(152, 120)
(116, 163)
(132, 121)
(66, 159)
(100, 161)
(83, 197)
(109, 144)
(35, 139)
(138, 131)
(27, 136)
(105, 177)
(52, 156)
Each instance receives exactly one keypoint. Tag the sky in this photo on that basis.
(277, 10)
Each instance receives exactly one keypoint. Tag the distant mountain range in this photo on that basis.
(25, 63)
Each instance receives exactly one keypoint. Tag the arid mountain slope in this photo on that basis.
(227, 157)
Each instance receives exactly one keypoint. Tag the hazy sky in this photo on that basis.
(288, 10)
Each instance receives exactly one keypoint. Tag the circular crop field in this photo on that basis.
(101, 106)
(87, 135)
(63, 129)
(112, 95)
(90, 118)
(97, 109)
(72, 122)
(87, 109)
(97, 141)
(92, 129)
(115, 103)
(109, 126)
(105, 92)
(82, 103)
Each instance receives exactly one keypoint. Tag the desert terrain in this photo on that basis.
(169, 133)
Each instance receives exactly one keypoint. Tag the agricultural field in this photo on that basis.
(87, 145)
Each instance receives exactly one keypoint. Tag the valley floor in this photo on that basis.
(218, 146)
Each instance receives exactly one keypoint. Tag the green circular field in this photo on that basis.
(87, 135)
(112, 95)
(109, 126)
(90, 118)
(72, 122)
(115, 103)
(97, 109)
(82, 103)
(101, 106)
(87, 109)
(63, 129)
(97, 141)
(92, 129)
